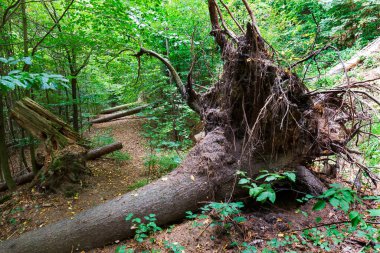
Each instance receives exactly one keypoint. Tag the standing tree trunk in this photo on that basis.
(74, 84)
(257, 116)
(4, 150)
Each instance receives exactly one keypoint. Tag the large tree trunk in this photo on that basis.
(257, 116)
(206, 174)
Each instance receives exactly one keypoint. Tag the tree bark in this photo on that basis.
(119, 108)
(7, 175)
(119, 114)
(19, 181)
(98, 152)
(74, 83)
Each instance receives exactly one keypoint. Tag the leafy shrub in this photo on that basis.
(264, 192)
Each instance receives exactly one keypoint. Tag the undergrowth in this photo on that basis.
(230, 220)
(105, 138)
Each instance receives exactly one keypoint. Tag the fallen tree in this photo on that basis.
(120, 107)
(119, 114)
(358, 58)
(258, 115)
(66, 153)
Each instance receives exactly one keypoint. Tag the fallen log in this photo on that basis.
(98, 152)
(371, 49)
(90, 155)
(120, 107)
(19, 181)
(119, 114)
(169, 198)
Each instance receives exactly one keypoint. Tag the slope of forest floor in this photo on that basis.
(29, 209)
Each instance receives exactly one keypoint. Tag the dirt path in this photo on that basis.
(29, 209)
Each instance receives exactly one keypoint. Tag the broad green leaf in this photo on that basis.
(334, 202)
(129, 217)
(244, 181)
(374, 212)
(291, 176)
(319, 205)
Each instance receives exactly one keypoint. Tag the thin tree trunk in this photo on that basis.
(74, 83)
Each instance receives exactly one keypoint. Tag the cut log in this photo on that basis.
(43, 125)
(120, 107)
(98, 152)
(19, 181)
(119, 114)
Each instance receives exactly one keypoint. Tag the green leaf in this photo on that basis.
(244, 181)
(374, 212)
(272, 197)
(266, 195)
(27, 60)
(318, 219)
(291, 176)
(271, 178)
(353, 215)
(129, 217)
(344, 205)
(239, 219)
(354, 218)
(253, 192)
(334, 202)
(319, 205)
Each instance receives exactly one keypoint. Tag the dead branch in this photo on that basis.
(192, 99)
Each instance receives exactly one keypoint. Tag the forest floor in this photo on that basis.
(29, 209)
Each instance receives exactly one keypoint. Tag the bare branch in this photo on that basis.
(192, 101)
(232, 16)
(230, 33)
(216, 30)
(254, 23)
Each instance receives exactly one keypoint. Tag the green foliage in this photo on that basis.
(143, 229)
(174, 247)
(105, 138)
(264, 192)
(223, 215)
(17, 78)
(138, 184)
(338, 196)
(162, 163)
(371, 147)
